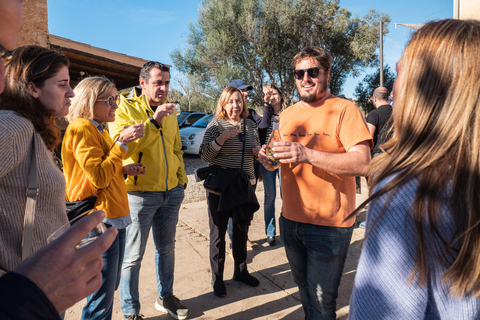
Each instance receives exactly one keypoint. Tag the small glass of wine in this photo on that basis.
(176, 110)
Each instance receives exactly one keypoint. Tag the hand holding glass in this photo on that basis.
(93, 234)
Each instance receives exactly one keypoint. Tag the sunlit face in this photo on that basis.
(275, 98)
(156, 88)
(55, 93)
(10, 22)
(102, 112)
(312, 89)
(234, 106)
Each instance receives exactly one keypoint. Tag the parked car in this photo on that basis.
(192, 136)
(186, 119)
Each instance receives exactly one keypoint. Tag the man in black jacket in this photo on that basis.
(377, 119)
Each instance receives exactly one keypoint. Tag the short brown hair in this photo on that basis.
(381, 93)
(226, 94)
(322, 56)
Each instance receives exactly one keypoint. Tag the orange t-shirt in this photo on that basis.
(310, 194)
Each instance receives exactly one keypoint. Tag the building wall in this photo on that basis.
(34, 28)
(468, 9)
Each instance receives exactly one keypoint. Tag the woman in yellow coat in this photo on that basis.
(93, 165)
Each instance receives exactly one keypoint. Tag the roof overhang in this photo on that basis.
(86, 60)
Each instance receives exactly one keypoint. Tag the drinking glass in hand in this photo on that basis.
(176, 110)
(92, 235)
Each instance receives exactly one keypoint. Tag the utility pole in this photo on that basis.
(381, 53)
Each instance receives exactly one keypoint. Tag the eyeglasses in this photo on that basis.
(5, 55)
(112, 101)
(312, 73)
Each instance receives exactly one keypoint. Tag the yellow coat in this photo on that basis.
(161, 149)
(91, 161)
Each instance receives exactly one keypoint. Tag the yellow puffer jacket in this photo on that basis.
(159, 150)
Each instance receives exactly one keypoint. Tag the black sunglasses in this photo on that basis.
(312, 73)
(5, 55)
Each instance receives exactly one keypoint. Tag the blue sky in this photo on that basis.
(152, 29)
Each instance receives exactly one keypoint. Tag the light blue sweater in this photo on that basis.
(382, 289)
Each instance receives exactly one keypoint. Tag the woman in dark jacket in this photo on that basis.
(222, 146)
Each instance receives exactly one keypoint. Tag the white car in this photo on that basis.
(192, 136)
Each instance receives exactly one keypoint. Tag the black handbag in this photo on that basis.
(218, 178)
(75, 208)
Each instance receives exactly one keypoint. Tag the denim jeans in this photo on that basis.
(158, 210)
(316, 255)
(100, 303)
(270, 189)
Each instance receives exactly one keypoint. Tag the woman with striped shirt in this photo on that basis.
(222, 146)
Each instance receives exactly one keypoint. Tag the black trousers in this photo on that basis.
(218, 221)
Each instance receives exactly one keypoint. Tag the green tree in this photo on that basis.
(255, 40)
(364, 89)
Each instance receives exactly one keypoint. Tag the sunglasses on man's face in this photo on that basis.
(112, 101)
(5, 55)
(312, 72)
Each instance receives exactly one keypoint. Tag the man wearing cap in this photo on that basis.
(377, 119)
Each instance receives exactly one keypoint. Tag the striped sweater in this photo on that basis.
(16, 134)
(229, 155)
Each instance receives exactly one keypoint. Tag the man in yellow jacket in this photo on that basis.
(154, 198)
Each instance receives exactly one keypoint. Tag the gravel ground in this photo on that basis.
(195, 191)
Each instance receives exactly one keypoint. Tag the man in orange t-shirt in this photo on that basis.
(326, 143)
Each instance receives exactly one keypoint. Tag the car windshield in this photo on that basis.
(203, 123)
(181, 116)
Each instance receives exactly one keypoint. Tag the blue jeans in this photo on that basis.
(270, 188)
(100, 303)
(316, 255)
(158, 210)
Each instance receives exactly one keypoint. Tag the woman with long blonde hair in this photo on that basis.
(421, 255)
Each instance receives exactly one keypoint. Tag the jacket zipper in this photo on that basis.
(166, 162)
(163, 145)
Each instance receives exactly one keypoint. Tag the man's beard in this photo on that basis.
(309, 98)
(313, 97)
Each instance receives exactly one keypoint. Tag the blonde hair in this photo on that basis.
(226, 94)
(86, 94)
(436, 139)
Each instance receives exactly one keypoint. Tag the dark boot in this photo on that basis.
(245, 277)
(219, 288)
